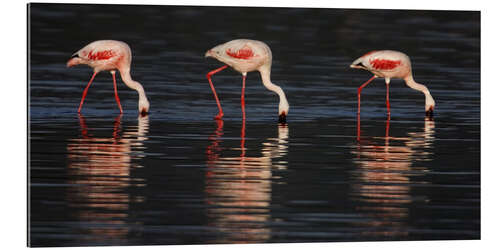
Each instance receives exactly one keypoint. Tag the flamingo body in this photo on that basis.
(245, 56)
(110, 55)
(390, 64)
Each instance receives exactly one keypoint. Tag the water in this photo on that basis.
(179, 177)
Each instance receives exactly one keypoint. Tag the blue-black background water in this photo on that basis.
(178, 176)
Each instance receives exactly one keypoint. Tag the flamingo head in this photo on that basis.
(74, 60)
(215, 52)
(358, 64)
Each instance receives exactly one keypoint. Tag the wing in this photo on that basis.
(240, 50)
(384, 64)
(97, 55)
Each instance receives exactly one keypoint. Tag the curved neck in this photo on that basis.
(265, 73)
(127, 79)
(420, 87)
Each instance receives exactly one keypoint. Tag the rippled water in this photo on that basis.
(179, 177)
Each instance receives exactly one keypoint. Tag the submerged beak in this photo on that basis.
(143, 112)
(430, 112)
(282, 118)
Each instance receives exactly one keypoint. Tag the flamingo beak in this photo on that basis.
(144, 113)
(282, 118)
(430, 112)
(357, 66)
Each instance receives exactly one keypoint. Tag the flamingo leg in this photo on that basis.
(243, 97)
(359, 92)
(242, 143)
(387, 125)
(358, 126)
(387, 101)
(116, 92)
(209, 76)
(85, 92)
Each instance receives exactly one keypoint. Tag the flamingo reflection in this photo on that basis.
(382, 180)
(100, 169)
(238, 189)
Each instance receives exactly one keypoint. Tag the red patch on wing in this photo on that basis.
(371, 52)
(240, 54)
(100, 55)
(384, 64)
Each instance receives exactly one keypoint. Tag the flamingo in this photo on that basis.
(391, 64)
(110, 55)
(245, 56)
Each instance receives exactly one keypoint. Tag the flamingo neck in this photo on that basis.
(429, 101)
(265, 73)
(143, 100)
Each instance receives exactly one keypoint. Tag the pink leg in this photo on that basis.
(359, 92)
(243, 98)
(116, 92)
(387, 101)
(387, 125)
(209, 75)
(242, 144)
(83, 126)
(358, 129)
(85, 92)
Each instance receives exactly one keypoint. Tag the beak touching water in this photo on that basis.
(430, 112)
(282, 118)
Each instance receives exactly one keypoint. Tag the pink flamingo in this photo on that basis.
(110, 55)
(244, 56)
(391, 64)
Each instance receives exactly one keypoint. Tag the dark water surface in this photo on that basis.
(179, 177)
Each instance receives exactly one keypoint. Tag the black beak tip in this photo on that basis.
(282, 118)
(430, 112)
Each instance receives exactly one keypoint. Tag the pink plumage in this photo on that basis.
(110, 55)
(245, 56)
(391, 64)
